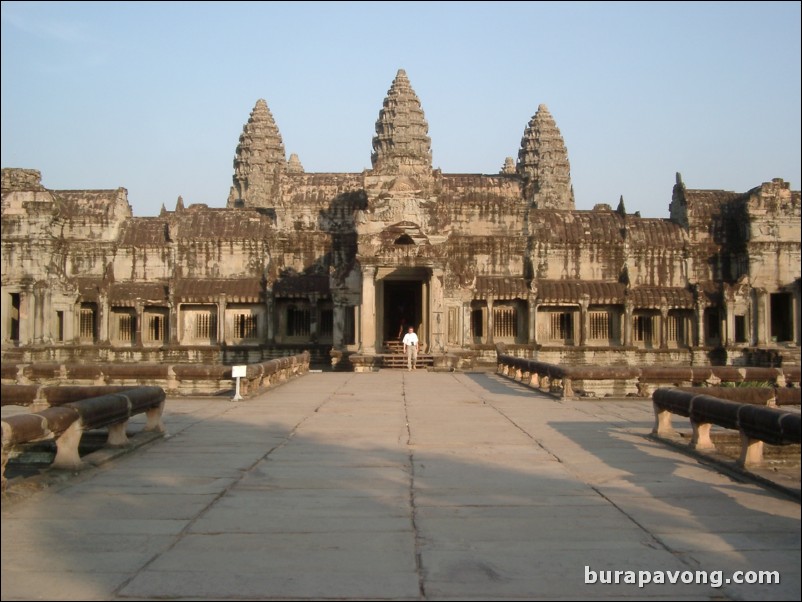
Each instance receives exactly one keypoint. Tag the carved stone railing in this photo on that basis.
(68, 416)
(176, 379)
(757, 424)
(578, 381)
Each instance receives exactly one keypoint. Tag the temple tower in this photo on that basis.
(402, 145)
(543, 162)
(259, 161)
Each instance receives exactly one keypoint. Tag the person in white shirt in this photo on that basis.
(411, 348)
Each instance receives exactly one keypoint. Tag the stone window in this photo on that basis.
(123, 327)
(740, 329)
(87, 329)
(404, 239)
(505, 322)
(205, 325)
(299, 322)
(327, 323)
(562, 326)
(155, 327)
(13, 330)
(677, 329)
(199, 324)
(643, 329)
(59, 326)
(245, 326)
(600, 327)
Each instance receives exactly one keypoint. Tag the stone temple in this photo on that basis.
(336, 262)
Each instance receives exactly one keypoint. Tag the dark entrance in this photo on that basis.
(402, 308)
(782, 317)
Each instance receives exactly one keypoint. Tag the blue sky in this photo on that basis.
(153, 96)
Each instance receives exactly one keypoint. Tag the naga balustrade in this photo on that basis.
(757, 424)
(69, 416)
(641, 381)
(176, 379)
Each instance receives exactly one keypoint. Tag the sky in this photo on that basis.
(153, 96)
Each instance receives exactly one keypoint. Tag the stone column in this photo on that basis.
(270, 317)
(5, 312)
(102, 318)
(221, 319)
(797, 309)
(338, 334)
(368, 313)
(700, 323)
(50, 325)
(663, 327)
(490, 322)
(728, 334)
(467, 335)
(314, 317)
(140, 322)
(172, 322)
(38, 313)
(628, 311)
(532, 306)
(761, 312)
(584, 302)
(436, 313)
(26, 313)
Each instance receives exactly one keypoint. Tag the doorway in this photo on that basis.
(402, 308)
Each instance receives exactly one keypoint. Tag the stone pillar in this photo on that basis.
(584, 302)
(314, 317)
(38, 310)
(5, 313)
(221, 319)
(172, 322)
(532, 306)
(663, 327)
(628, 311)
(467, 335)
(26, 313)
(490, 322)
(761, 297)
(338, 333)
(140, 322)
(102, 318)
(728, 333)
(270, 317)
(797, 308)
(368, 313)
(437, 320)
(700, 323)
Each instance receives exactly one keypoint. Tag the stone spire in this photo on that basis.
(509, 167)
(294, 164)
(402, 144)
(260, 158)
(543, 161)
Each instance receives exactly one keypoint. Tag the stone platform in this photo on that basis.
(397, 485)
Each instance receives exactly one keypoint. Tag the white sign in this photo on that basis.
(238, 371)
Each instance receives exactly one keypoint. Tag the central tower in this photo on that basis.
(402, 145)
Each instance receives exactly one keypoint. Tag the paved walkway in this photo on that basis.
(403, 486)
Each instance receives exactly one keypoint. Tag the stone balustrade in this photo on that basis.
(69, 413)
(578, 381)
(175, 379)
(756, 424)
